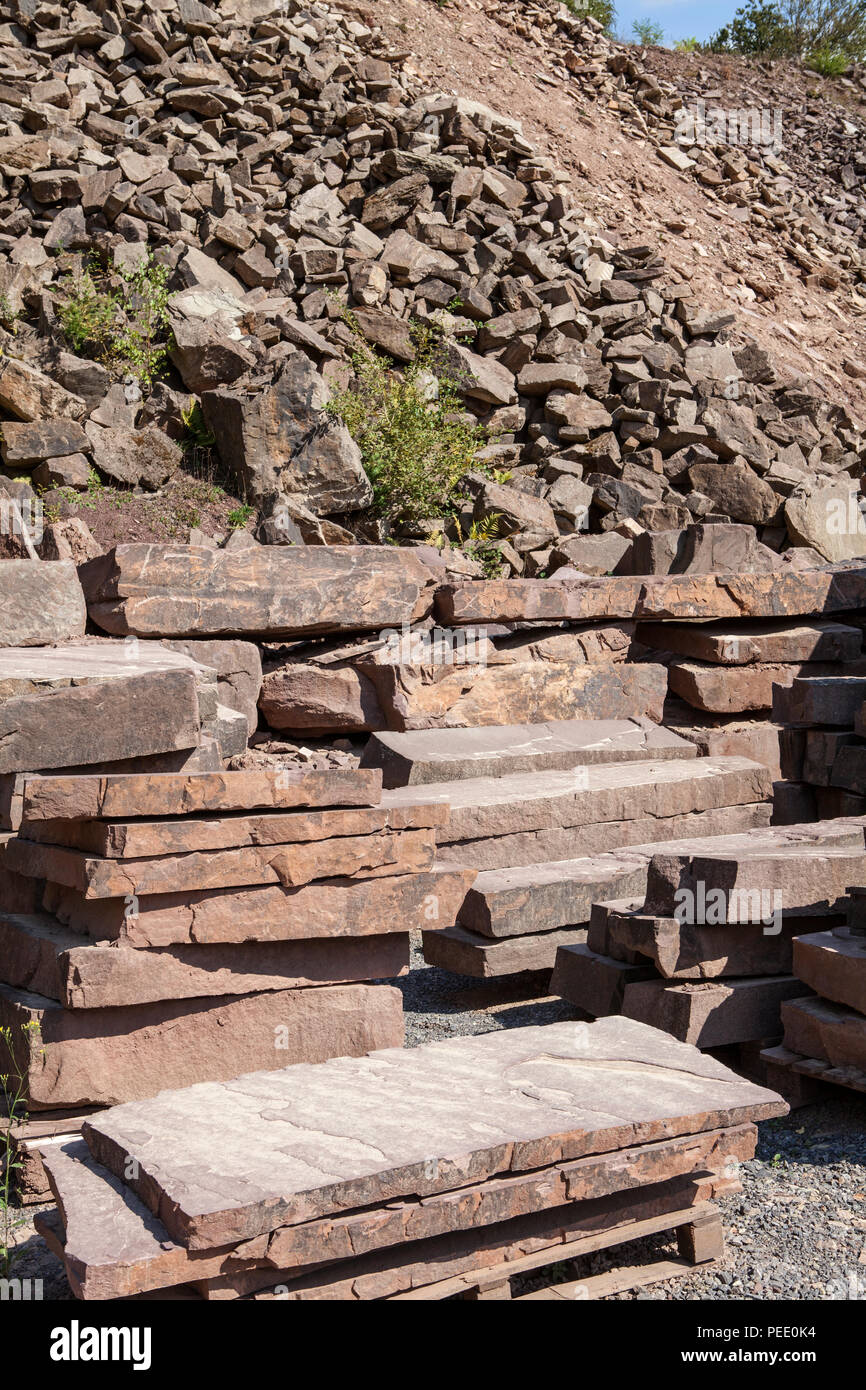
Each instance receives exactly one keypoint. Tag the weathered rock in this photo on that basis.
(105, 1057)
(138, 458)
(31, 395)
(41, 601)
(731, 689)
(734, 645)
(320, 700)
(827, 1031)
(239, 672)
(193, 591)
(464, 953)
(25, 445)
(833, 964)
(689, 951)
(820, 700)
(829, 519)
(593, 982)
(712, 1013)
(500, 1080)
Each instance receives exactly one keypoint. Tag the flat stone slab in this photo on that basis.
(737, 689)
(543, 897)
(75, 1057)
(683, 951)
(755, 882)
(593, 982)
(264, 591)
(833, 964)
(801, 593)
(713, 1013)
(827, 1031)
(114, 1247)
(738, 644)
(118, 795)
(830, 700)
(350, 856)
(528, 801)
(335, 907)
(35, 670)
(226, 1162)
(44, 957)
(102, 721)
(41, 602)
(466, 953)
(447, 755)
(578, 842)
(190, 834)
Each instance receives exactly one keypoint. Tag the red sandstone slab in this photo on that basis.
(75, 1057)
(684, 951)
(835, 589)
(188, 794)
(190, 834)
(113, 1247)
(40, 955)
(737, 689)
(466, 953)
(328, 908)
(825, 1030)
(754, 883)
(593, 982)
(736, 644)
(713, 1013)
(527, 801)
(833, 964)
(409, 851)
(264, 591)
(229, 1162)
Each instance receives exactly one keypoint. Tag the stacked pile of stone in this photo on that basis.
(825, 1033)
(826, 714)
(707, 951)
(319, 197)
(423, 1173)
(193, 926)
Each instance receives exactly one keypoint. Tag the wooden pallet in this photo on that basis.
(796, 1066)
(700, 1239)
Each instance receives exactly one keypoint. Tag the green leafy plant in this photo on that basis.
(197, 434)
(829, 62)
(648, 32)
(13, 1086)
(238, 518)
(124, 328)
(688, 45)
(415, 443)
(601, 10)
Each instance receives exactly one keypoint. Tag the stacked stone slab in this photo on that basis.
(193, 926)
(825, 1032)
(827, 714)
(707, 951)
(401, 1174)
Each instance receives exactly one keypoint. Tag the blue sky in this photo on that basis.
(681, 19)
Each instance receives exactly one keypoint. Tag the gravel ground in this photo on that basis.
(797, 1231)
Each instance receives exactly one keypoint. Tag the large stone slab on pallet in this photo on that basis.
(104, 721)
(593, 982)
(825, 1030)
(833, 964)
(527, 801)
(713, 1013)
(46, 958)
(106, 1056)
(399, 852)
(541, 897)
(449, 755)
(797, 593)
(113, 1247)
(577, 842)
(129, 839)
(333, 907)
(262, 591)
(118, 795)
(466, 953)
(307, 1141)
(729, 644)
(41, 601)
(830, 700)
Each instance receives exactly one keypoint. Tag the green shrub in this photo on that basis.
(125, 329)
(415, 445)
(829, 62)
(794, 28)
(688, 45)
(238, 518)
(648, 32)
(601, 10)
